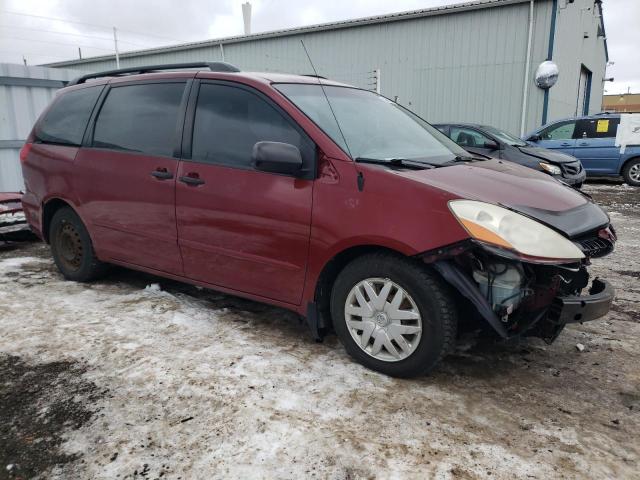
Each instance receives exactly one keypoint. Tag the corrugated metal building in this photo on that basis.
(24, 93)
(465, 62)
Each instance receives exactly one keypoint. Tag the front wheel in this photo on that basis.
(631, 172)
(393, 315)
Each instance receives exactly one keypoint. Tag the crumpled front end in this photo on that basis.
(518, 297)
(13, 224)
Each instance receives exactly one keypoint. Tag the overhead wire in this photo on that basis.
(56, 32)
(89, 24)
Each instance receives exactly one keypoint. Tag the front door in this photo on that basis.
(595, 145)
(240, 228)
(559, 136)
(126, 176)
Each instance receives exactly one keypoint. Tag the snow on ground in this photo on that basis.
(188, 383)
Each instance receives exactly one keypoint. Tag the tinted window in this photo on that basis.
(229, 121)
(468, 137)
(67, 118)
(597, 128)
(140, 118)
(559, 131)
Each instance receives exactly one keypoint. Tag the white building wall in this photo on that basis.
(24, 92)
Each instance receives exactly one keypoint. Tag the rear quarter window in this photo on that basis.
(66, 120)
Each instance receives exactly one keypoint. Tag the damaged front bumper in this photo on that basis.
(541, 301)
(583, 308)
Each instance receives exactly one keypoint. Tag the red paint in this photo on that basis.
(260, 235)
(251, 227)
(10, 202)
(24, 151)
(131, 214)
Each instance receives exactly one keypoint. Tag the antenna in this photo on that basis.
(326, 97)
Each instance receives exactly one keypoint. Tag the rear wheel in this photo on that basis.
(631, 172)
(72, 249)
(393, 315)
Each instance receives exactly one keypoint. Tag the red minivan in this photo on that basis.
(315, 196)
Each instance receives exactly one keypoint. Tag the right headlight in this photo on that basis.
(503, 228)
(552, 169)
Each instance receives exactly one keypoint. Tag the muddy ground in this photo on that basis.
(139, 377)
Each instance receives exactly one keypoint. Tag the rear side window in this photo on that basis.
(230, 121)
(597, 128)
(140, 118)
(559, 131)
(67, 118)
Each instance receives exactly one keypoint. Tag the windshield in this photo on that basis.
(506, 137)
(374, 127)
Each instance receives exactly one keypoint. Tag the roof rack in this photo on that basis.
(313, 75)
(212, 66)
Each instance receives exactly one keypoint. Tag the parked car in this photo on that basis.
(315, 196)
(592, 140)
(497, 143)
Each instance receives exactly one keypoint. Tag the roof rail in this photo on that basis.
(212, 66)
(313, 75)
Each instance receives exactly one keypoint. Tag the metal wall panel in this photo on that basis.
(463, 64)
(24, 92)
(577, 43)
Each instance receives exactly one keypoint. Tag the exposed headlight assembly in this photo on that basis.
(502, 228)
(552, 169)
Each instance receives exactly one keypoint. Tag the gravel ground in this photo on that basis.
(139, 377)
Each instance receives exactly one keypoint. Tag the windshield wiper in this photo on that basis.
(404, 162)
(467, 158)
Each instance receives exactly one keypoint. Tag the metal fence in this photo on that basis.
(24, 92)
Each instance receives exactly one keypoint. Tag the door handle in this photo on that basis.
(191, 179)
(583, 144)
(162, 174)
(565, 144)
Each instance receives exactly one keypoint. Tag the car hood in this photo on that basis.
(548, 155)
(518, 188)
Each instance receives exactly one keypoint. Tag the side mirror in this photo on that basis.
(491, 145)
(534, 138)
(276, 157)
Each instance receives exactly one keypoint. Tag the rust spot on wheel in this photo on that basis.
(69, 245)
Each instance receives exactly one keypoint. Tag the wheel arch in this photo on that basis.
(333, 267)
(627, 161)
(49, 208)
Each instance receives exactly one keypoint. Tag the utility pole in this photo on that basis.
(24, 60)
(115, 43)
(79, 53)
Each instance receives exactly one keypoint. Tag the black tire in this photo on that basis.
(634, 164)
(432, 296)
(72, 248)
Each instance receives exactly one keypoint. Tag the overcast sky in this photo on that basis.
(149, 23)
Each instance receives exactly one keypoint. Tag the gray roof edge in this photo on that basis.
(357, 22)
